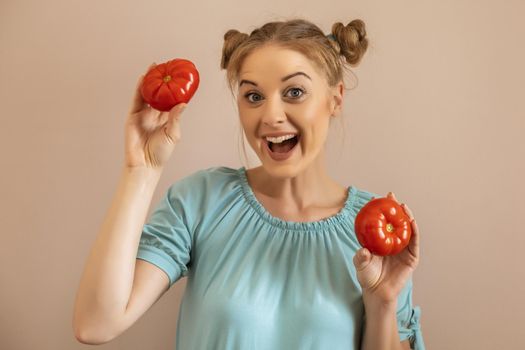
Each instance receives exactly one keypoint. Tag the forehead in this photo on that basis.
(271, 63)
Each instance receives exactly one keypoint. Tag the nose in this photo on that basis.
(273, 112)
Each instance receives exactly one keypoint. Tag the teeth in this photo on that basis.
(280, 138)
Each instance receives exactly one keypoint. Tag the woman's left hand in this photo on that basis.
(383, 277)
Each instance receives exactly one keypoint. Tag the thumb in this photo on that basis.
(362, 258)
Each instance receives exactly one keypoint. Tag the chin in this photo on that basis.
(283, 171)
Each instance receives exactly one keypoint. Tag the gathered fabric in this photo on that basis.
(255, 281)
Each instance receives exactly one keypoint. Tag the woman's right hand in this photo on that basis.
(150, 135)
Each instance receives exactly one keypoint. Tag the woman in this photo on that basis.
(266, 250)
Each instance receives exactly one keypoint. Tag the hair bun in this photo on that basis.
(359, 27)
(352, 40)
(232, 39)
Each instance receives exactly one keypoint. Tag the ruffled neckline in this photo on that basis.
(340, 217)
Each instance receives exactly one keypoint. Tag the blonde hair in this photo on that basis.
(349, 43)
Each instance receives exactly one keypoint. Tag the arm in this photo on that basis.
(382, 279)
(106, 284)
(381, 330)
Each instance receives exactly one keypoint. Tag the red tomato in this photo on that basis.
(383, 227)
(170, 83)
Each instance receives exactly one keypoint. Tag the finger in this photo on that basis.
(391, 196)
(173, 120)
(162, 118)
(414, 240)
(138, 102)
(408, 211)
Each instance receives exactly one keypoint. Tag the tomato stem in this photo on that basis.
(389, 227)
(167, 78)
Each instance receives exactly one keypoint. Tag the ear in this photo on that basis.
(336, 99)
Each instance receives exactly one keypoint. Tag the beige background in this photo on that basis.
(437, 118)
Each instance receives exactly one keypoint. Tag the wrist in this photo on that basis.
(142, 176)
(142, 170)
(375, 304)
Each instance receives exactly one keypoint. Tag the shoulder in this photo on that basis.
(206, 176)
(204, 183)
(367, 194)
(219, 173)
(362, 196)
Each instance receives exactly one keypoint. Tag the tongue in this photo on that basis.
(284, 146)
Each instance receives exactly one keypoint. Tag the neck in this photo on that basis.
(303, 189)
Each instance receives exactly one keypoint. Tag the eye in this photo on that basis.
(294, 96)
(250, 94)
(297, 89)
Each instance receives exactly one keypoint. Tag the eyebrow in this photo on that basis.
(283, 79)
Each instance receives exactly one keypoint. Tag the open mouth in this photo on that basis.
(284, 146)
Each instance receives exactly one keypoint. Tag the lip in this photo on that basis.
(280, 156)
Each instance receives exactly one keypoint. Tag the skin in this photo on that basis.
(298, 188)
(383, 278)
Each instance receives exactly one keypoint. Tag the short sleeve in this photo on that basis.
(166, 238)
(408, 318)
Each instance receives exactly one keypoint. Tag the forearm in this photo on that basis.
(107, 280)
(381, 331)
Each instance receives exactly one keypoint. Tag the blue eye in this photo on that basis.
(292, 89)
(249, 94)
(297, 89)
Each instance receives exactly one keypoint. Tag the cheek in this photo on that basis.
(249, 129)
(316, 127)
(246, 121)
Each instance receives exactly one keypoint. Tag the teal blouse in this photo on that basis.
(256, 281)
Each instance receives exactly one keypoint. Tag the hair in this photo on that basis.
(348, 44)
